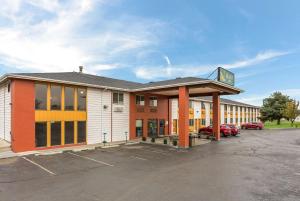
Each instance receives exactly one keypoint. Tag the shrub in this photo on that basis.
(153, 139)
(174, 142)
(165, 141)
(144, 138)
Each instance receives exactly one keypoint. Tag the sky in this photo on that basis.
(154, 40)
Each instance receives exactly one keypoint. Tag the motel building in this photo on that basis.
(53, 110)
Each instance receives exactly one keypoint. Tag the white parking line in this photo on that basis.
(43, 168)
(91, 159)
(136, 157)
(158, 152)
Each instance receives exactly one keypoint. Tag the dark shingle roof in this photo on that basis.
(225, 101)
(172, 81)
(85, 79)
(105, 81)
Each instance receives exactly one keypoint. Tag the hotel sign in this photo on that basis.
(225, 76)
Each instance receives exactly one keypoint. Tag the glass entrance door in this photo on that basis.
(152, 128)
(161, 127)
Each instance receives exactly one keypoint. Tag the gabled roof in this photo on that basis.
(224, 101)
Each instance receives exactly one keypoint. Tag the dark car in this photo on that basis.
(253, 125)
(224, 129)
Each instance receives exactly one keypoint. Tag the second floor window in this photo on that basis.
(140, 100)
(55, 97)
(69, 98)
(153, 101)
(118, 98)
(81, 99)
(40, 96)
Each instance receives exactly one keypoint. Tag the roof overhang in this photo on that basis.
(198, 88)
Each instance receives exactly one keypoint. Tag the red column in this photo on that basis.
(216, 116)
(183, 120)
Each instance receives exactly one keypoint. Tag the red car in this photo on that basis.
(224, 129)
(234, 130)
(253, 125)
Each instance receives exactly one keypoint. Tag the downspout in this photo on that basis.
(111, 119)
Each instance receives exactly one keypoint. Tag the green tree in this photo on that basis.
(291, 111)
(274, 107)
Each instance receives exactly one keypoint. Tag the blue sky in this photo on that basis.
(154, 40)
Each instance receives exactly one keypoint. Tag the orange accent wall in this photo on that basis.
(144, 113)
(216, 115)
(23, 116)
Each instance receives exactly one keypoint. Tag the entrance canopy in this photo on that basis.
(183, 89)
(196, 86)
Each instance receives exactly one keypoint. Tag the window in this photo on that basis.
(140, 100)
(191, 122)
(210, 121)
(40, 96)
(81, 131)
(231, 120)
(226, 120)
(69, 98)
(153, 101)
(231, 108)
(8, 87)
(202, 105)
(203, 122)
(55, 133)
(210, 106)
(139, 128)
(118, 98)
(225, 108)
(69, 132)
(81, 99)
(41, 134)
(191, 104)
(55, 97)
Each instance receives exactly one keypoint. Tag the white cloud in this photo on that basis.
(61, 41)
(149, 73)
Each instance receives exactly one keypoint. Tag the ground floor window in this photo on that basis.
(241, 120)
(191, 122)
(81, 131)
(59, 133)
(174, 125)
(236, 120)
(41, 134)
(139, 128)
(152, 128)
(203, 122)
(55, 133)
(69, 132)
(231, 120)
(226, 120)
(210, 121)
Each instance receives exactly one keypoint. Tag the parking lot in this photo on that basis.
(258, 165)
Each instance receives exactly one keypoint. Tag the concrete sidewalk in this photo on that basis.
(10, 154)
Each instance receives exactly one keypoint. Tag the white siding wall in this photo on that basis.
(239, 116)
(197, 109)
(120, 120)
(207, 109)
(94, 107)
(222, 114)
(233, 115)
(174, 111)
(104, 120)
(5, 113)
(106, 115)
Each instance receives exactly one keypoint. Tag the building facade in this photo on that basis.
(51, 110)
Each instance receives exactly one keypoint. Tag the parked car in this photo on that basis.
(225, 130)
(234, 129)
(253, 125)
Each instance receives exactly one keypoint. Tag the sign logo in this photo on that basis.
(225, 76)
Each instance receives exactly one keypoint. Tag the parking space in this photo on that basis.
(216, 171)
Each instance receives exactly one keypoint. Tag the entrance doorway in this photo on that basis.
(152, 128)
(161, 127)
